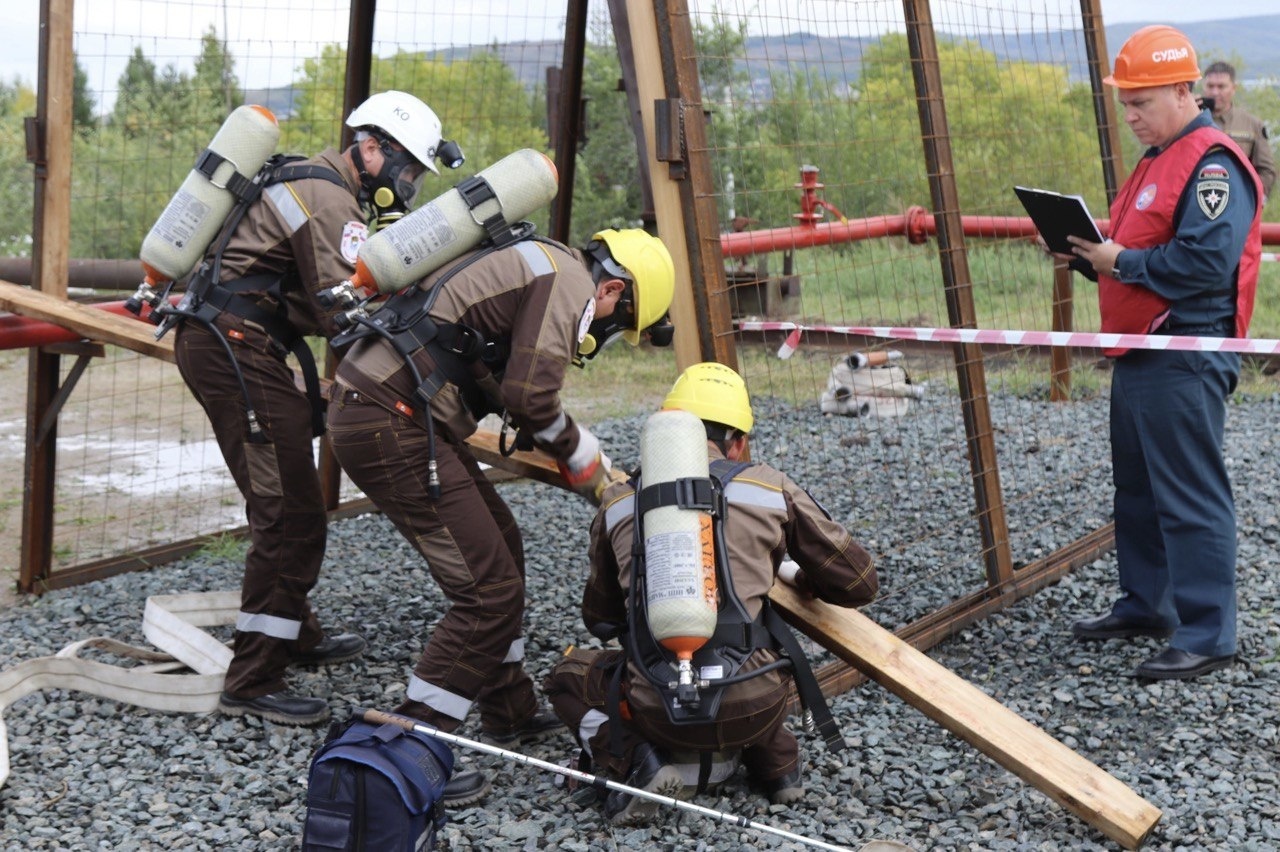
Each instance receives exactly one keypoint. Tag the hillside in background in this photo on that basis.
(1252, 42)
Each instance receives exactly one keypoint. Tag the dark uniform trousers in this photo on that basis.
(473, 549)
(283, 502)
(750, 720)
(1174, 512)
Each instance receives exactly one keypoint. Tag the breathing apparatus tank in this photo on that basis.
(197, 211)
(679, 546)
(456, 221)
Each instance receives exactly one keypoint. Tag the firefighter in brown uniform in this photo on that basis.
(768, 518)
(1243, 128)
(298, 238)
(525, 311)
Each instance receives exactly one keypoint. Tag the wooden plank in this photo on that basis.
(1072, 781)
(84, 320)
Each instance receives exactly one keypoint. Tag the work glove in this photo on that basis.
(588, 471)
(793, 575)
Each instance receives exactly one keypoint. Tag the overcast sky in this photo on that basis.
(279, 35)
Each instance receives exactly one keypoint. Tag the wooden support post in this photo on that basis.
(667, 83)
(1069, 779)
(49, 150)
(954, 258)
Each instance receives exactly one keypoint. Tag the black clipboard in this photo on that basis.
(1058, 216)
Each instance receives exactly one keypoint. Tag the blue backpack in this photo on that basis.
(376, 788)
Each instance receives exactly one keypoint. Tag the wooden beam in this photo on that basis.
(84, 320)
(1069, 779)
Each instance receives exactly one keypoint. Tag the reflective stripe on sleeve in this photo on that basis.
(285, 201)
(621, 508)
(547, 434)
(535, 254)
(748, 493)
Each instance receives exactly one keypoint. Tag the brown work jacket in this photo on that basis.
(531, 297)
(1251, 135)
(769, 517)
(308, 231)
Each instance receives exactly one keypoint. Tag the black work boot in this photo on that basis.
(649, 772)
(537, 727)
(465, 788)
(331, 649)
(283, 707)
(785, 790)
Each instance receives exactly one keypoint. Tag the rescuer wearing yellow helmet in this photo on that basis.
(768, 517)
(501, 327)
(1182, 259)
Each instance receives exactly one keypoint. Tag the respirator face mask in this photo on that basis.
(397, 183)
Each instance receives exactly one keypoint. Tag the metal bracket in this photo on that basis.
(60, 398)
(669, 140)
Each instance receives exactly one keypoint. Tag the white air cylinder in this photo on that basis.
(197, 211)
(680, 591)
(445, 228)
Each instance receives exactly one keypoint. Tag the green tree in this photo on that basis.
(82, 100)
(16, 101)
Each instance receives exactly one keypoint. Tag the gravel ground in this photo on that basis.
(92, 774)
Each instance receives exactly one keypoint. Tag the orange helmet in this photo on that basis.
(1154, 56)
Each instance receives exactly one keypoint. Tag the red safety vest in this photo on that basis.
(1142, 216)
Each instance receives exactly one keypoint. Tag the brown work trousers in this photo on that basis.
(750, 720)
(287, 525)
(473, 549)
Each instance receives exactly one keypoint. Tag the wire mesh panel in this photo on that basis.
(814, 125)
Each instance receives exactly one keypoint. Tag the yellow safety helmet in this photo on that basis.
(647, 263)
(713, 392)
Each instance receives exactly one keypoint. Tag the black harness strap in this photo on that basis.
(223, 297)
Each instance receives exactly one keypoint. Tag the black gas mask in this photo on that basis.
(605, 330)
(392, 190)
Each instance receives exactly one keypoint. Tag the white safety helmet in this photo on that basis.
(405, 119)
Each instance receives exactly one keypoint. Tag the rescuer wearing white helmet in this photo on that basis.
(1182, 259)
(768, 517)
(502, 326)
(299, 237)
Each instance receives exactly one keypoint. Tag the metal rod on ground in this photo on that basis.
(377, 717)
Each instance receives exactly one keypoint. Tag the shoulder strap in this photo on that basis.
(285, 173)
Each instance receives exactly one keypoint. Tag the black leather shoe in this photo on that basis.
(1172, 664)
(534, 729)
(282, 707)
(332, 649)
(1112, 626)
(649, 772)
(784, 790)
(465, 788)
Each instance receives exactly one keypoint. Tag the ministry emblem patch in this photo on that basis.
(1212, 197)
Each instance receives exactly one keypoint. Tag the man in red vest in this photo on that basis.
(1182, 260)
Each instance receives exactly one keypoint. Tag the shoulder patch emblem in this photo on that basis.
(1214, 171)
(1212, 196)
(353, 236)
(588, 316)
(1145, 197)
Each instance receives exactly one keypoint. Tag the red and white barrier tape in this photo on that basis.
(1270, 255)
(1082, 339)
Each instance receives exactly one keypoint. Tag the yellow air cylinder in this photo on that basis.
(446, 228)
(197, 211)
(680, 590)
